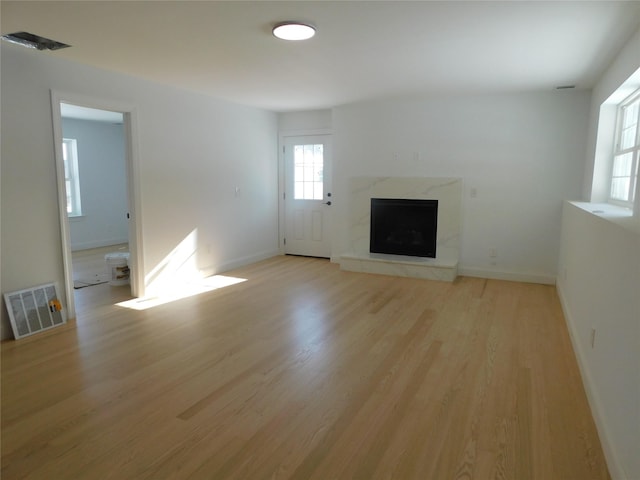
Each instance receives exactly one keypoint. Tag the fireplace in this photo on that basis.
(359, 256)
(404, 227)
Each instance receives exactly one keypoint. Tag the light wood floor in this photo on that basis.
(304, 372)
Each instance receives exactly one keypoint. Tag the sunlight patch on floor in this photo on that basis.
(184, 291)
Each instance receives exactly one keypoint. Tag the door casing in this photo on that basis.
(283, 139)
(133, 189)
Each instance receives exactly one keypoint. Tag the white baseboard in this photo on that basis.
(615, 467)
(238, 262)
(510, 276)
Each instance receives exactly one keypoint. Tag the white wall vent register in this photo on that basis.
(34, 310)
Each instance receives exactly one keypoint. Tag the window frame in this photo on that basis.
(72, 177)
(634, 150)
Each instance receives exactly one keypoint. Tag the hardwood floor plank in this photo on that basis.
(358, 398)
(391, 417)
(524, 466)
(304, 371)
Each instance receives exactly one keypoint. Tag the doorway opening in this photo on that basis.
(97, 201)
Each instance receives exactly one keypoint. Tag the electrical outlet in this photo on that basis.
(493, 253)
(473, 192)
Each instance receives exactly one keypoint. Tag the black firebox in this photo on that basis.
(404, 227)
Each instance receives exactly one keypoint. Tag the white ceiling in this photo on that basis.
(362, 50)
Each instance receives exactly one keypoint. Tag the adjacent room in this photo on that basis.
(94, 150)
(402, 243)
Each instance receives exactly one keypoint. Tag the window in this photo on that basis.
(624, 174)
(71, 177)
(308, 162)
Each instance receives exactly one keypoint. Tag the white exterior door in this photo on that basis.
(307, 195)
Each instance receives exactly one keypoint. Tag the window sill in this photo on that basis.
(613, 213)
(76, 218)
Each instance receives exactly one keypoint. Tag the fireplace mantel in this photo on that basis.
(448, 192)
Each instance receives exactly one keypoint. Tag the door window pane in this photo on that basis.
(308, 172)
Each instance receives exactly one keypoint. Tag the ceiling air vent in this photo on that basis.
(30, 40)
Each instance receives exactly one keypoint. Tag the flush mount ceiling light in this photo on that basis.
(30, 40)
(293, 31)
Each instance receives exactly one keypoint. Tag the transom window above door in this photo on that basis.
(308, 177)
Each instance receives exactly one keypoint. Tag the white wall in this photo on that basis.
(521, 153)
(193, 153)
(103, 184)
(599, 285)
(31, 246)
(304, 121)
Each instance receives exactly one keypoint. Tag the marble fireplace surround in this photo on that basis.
(448, 192)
